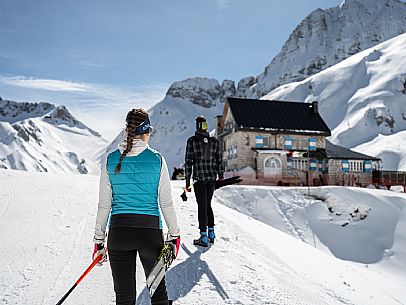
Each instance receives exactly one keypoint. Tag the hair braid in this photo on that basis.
(134, 118)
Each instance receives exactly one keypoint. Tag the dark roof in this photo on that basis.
(338, 152)
(293, 117)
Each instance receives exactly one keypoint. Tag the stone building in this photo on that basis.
(284, 143)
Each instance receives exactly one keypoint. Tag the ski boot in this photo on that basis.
(212, 236)
(202, 240)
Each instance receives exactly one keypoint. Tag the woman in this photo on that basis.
(134, 186)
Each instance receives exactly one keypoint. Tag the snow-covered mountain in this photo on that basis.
(321, 40)
(363, 101)
(43, 137)
(326, 37)
(173, 118)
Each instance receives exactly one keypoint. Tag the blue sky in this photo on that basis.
(95, 54)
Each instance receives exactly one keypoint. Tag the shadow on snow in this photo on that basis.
(183, 277)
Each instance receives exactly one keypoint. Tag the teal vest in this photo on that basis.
(135, 187)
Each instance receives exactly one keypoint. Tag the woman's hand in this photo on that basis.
(100, 249)
(174, 243)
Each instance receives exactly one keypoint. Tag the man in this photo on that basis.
(203, 158)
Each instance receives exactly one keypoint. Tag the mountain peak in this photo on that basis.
(326, 37)
(61, 116)
(11, 111)
(205, 92)
(369, 2)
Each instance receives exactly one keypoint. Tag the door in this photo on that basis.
(272, 167)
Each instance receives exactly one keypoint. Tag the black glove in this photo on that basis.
(184, 196)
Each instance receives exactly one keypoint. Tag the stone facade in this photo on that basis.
(240, 148)
(240, 151)
(336, 176)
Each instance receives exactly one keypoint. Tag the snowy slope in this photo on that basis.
(390, 148)
(326, 37)
(361, 98)
(42, 137)
(51, 219)
(354, 224)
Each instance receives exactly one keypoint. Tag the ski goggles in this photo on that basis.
(202, 125)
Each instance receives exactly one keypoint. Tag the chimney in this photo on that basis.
(219, 118)
(315, 107)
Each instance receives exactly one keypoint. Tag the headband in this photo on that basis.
(144, 127)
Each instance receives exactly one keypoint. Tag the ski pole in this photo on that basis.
(96, 260)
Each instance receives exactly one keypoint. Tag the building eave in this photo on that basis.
(274, 131)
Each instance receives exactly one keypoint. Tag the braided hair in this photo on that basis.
(134, 118)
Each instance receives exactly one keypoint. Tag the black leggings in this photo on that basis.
(123, 245)
(204, 193)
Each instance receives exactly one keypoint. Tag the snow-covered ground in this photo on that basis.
(47, 223)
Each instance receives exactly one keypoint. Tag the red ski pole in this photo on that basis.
(96, 260)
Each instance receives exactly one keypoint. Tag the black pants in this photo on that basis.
(123, 245)
(204, 193)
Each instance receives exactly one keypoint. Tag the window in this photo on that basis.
(299, 164)
(313, 164)
(273, 163)
(367, 165)
(229, 127)
(288, 143)
(302, 144)
(235, 151)
(262, 142)
(345, 166)
(259, 141)
(272, 166)
(356, 166)
(353, 165)
(266, 142)
(312, 144)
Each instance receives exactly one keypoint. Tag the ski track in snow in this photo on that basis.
(48, 222)
(285, 213)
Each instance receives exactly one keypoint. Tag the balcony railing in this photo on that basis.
(389, 178)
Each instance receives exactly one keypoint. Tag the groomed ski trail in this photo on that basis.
(47, 242)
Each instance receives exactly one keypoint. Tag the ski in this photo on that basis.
(227, 181)
(218, 184)
(162, 265)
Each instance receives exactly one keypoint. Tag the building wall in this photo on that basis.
(247, 154)
(300, 142)
(336, 176)
(244, 141)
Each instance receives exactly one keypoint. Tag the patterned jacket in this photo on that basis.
(203, 158)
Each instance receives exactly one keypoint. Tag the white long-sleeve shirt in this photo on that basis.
(164, 195)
